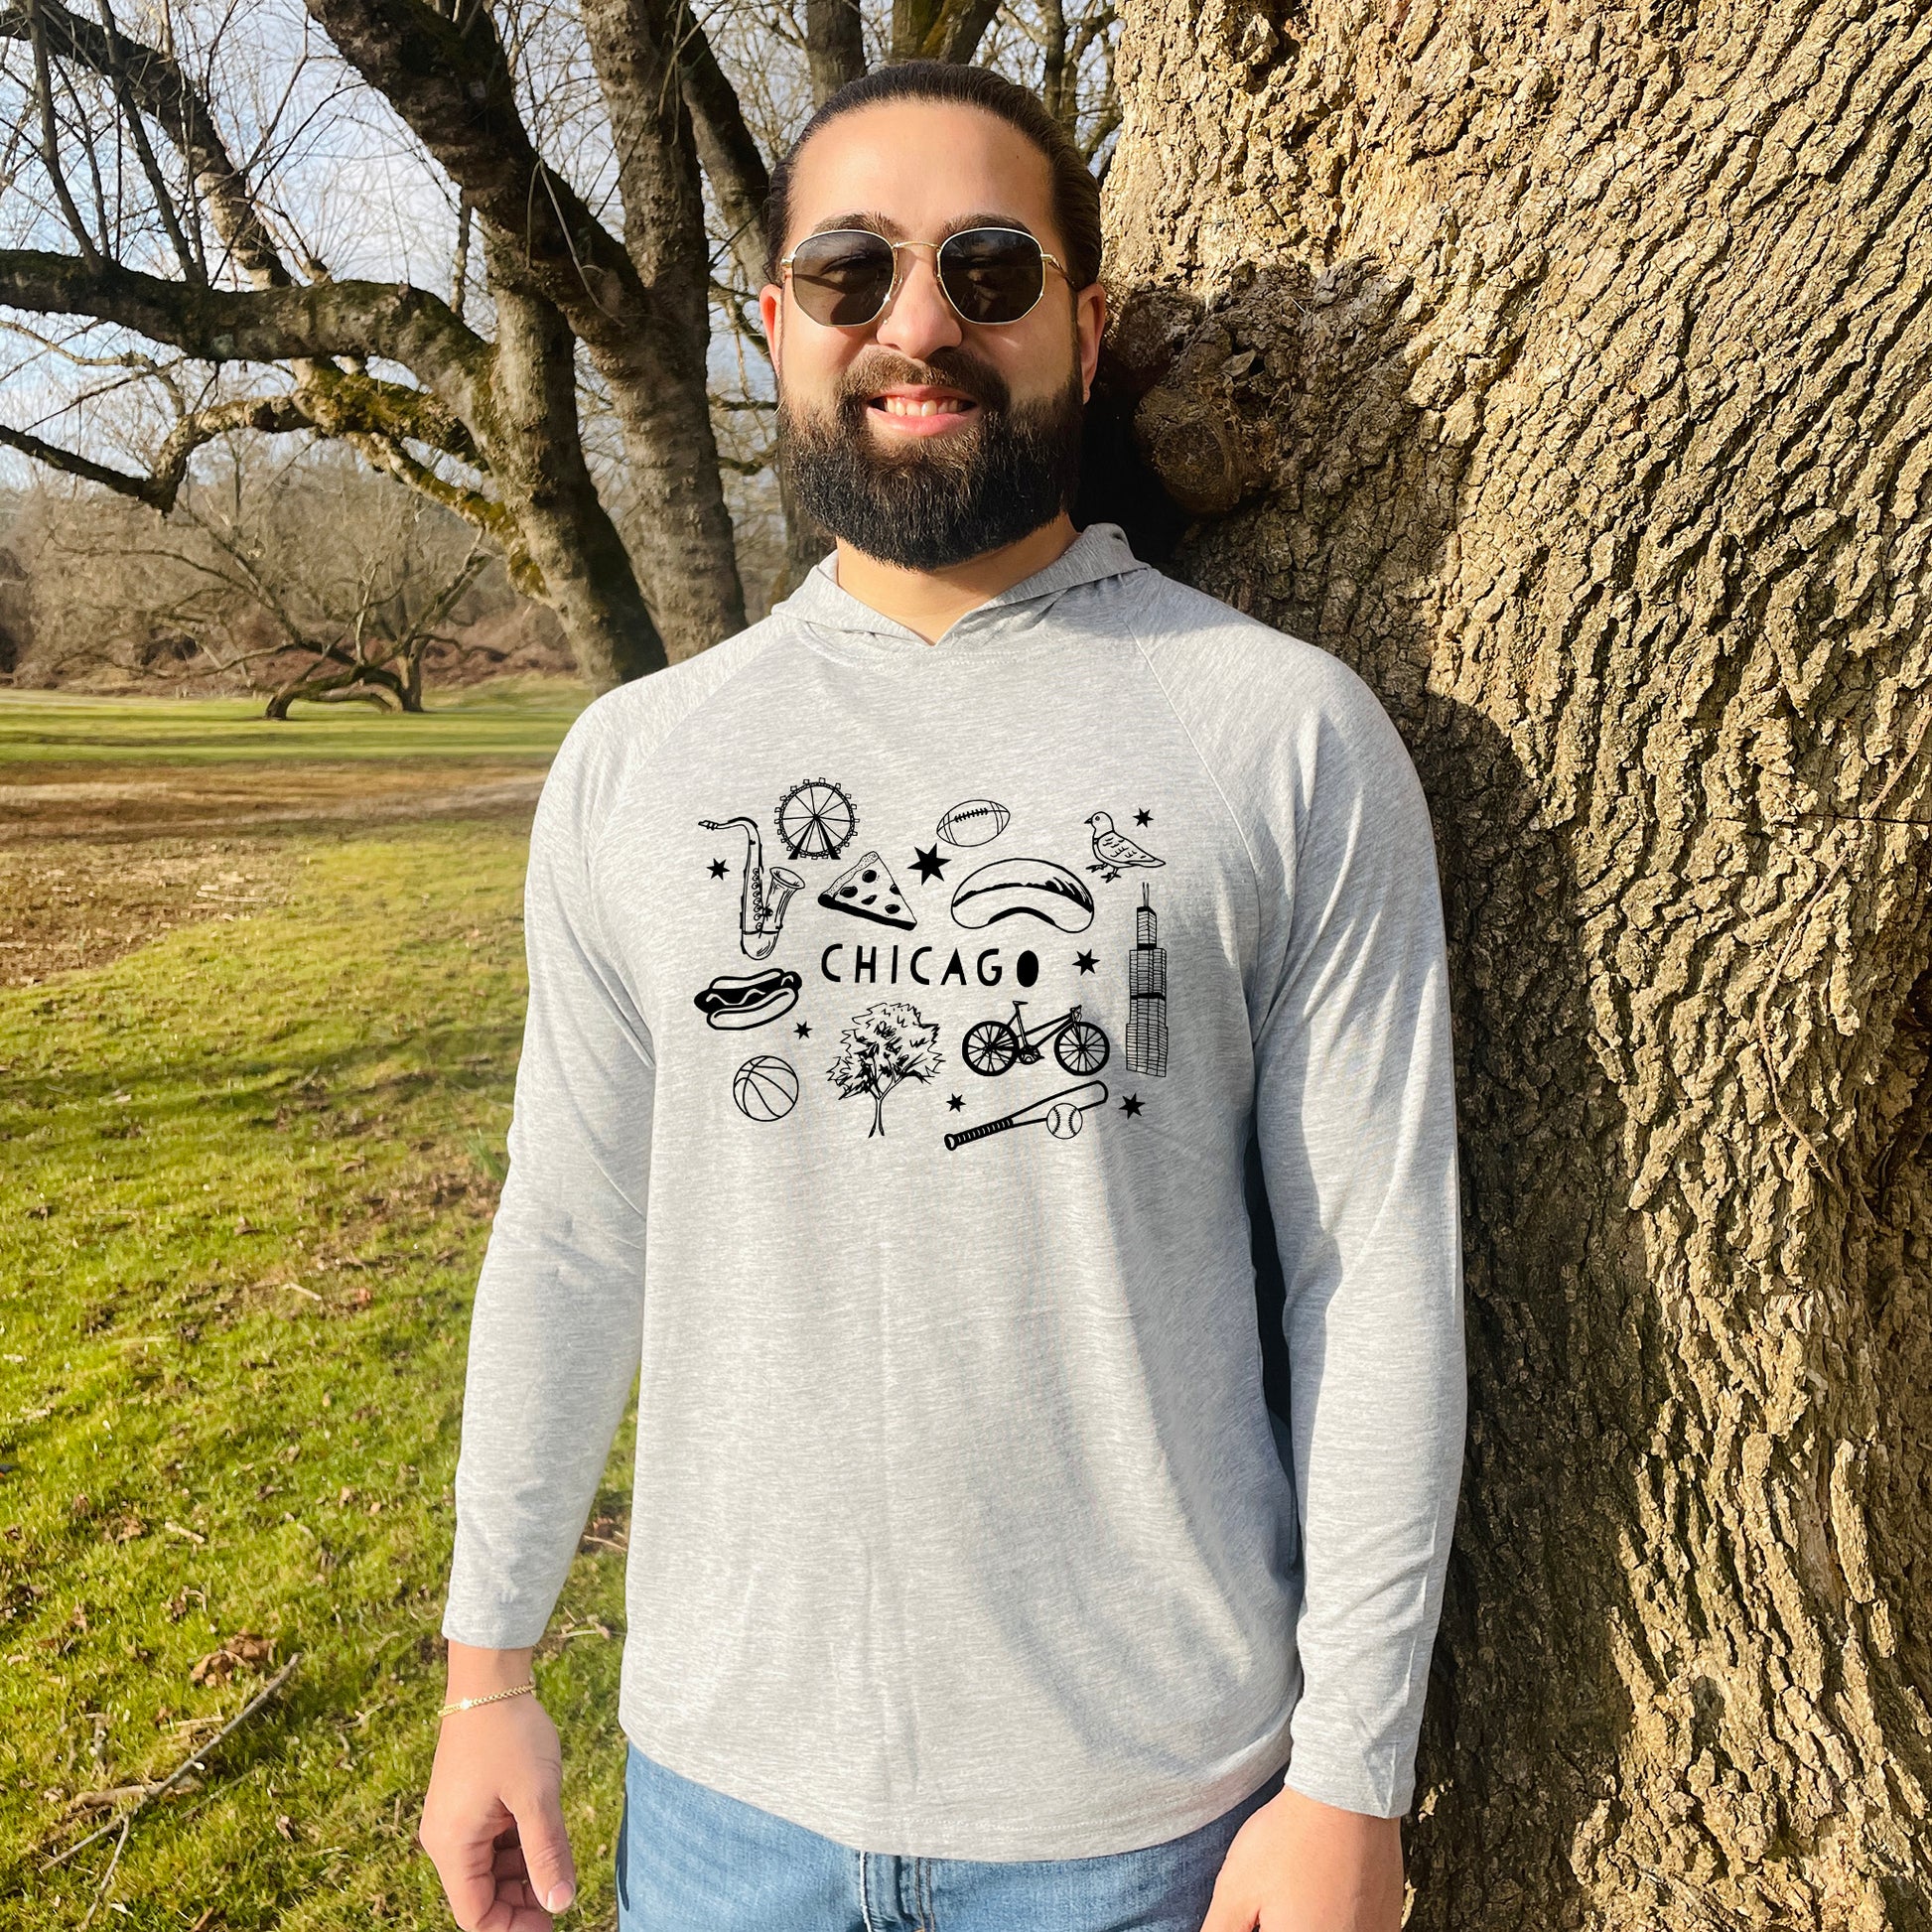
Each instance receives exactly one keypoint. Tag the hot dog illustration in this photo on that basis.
(735, 1001)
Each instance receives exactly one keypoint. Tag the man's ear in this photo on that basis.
(1090, 321)
(771, 314)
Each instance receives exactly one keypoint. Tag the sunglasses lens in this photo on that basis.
(992, 275)
(840, 278)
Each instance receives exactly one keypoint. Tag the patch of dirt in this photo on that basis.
(70, 905)
(75, 800)
(98, 859)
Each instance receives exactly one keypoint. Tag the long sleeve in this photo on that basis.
(555, 1331)
(1356, 1123)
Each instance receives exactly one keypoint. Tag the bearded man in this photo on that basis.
(972, 1583)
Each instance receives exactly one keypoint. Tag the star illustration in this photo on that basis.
(1131, 1105)
(717, 868)
(1144, 816)
(803, 1029)
(1085, 961)
(955, 1103)
(931, 864)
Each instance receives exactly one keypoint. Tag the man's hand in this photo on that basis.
(492, 1819)
(1300, 1865)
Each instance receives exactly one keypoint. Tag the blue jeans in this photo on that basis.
(692, 1859)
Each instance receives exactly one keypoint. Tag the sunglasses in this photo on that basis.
(845, 277)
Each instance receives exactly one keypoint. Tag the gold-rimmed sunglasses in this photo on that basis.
(845, 277)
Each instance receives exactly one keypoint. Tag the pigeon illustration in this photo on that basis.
(1115, 851)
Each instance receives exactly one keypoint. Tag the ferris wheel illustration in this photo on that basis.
(817, 819)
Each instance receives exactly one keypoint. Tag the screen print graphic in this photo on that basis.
(973, 822)
(887, 1044)
(735, 1001)
(868, 891)
(993, 1046)
(764, 895)
(1147, 993)
(1114, 852)
(765, 1087)
(1059, 1113)
(817, 819)
(1023, 889)
(893, 1044)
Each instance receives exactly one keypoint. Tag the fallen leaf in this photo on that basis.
(243, 1651)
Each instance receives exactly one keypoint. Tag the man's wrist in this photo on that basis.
(477, 1672)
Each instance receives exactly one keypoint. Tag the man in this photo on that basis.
(905, 976)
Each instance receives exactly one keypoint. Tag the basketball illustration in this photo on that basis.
(765, 1087)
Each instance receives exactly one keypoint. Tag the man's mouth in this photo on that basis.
(919, 405)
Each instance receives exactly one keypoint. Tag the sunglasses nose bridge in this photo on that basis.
(906, 257)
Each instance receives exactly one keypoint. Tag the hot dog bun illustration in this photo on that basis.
(1033, 888)
(733, 1001)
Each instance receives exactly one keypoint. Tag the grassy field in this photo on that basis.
(246, 1172)
(512, 719)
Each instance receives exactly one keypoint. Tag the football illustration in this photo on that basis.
(974, 821)
(765, 1087)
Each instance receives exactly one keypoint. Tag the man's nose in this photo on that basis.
(921, 319)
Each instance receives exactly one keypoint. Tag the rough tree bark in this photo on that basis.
(1565, 370)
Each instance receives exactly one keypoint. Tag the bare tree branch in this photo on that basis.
(451, 82)
(50, 133)
(459, 265)
(156, 84)
(736, 169)
(193, 267)
(388, 320)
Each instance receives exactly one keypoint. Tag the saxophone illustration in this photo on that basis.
(761, 905)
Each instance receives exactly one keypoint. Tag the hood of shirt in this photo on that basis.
(1094, 568)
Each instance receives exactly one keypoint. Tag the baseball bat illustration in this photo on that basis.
(1090, 1093)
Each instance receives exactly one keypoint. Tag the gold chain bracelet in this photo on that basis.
(465, 1703)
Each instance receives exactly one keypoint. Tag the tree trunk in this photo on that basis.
(834, 45)
(1566, 372)
(537, 455)
(451, 81)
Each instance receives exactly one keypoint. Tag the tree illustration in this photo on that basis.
(886, 1043)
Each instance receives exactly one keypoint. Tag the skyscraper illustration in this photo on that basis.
(1147, 994)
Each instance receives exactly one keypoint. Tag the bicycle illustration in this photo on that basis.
(990, 1046)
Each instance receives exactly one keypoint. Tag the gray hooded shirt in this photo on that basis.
(898, 1016)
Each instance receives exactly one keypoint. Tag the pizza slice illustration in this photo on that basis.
(868, 891)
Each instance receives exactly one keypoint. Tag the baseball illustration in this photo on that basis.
(1063, 1121)
(765, 1087)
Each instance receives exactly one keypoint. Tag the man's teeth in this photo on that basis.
(902, 406)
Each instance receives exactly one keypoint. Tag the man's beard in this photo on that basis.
(940, 499)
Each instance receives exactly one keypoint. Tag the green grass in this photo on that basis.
(309, 1098)
(510, 719)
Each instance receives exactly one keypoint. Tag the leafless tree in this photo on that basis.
(303, 577)
(585, 384)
